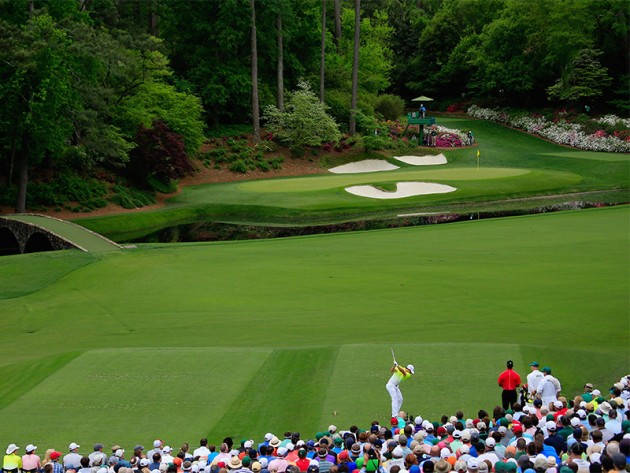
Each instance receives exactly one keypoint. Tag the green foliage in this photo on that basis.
(304, 122)
(88, 193)
(130, 197)
(158, 101)
(584, 78)
(391, 107)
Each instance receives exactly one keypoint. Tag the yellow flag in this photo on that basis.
(477, 153)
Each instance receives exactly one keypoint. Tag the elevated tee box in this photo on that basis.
(411, 120)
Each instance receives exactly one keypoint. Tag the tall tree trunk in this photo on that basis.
(152, 17)
(20, 204)
(322, 62)
(338, 25)
(31, 7)
(355, 67)
(255, 109)
(280, 98)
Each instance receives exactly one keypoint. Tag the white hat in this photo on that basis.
(248, 444)
(397, 452)
(595, 457)
(144, 462)
(445, 453)
(282, 451)
(290, 447)
(581, 413)
(157, 443)
(575, 421)
(300, 443)
(73, 446)
(503, 429)
(30, 448)
(457, 434)
(551, 426)
(464, 449)
(411, 368)
(12, 448)
(119, 453)
(490, 442)
(596, 393)
(167, 449)
(268, 437)
(332, 428)
(418, 420)
(557, 404)
(472, 464)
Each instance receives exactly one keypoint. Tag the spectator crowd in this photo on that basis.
(589, 433)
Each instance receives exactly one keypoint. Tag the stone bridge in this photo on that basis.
(29, 233)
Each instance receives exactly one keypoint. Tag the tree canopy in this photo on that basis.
(80, 79)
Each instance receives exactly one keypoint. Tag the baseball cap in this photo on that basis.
(144, 462)
(411, 368)
(30, 448)
(167, 449)
(256, 467)
(490, 442)
(472, 464)
(119, 453)
(157, 443)
(73, 445)
(551, 426)
(547, 370)
(312, 469)
(534, 363)
(55, 455)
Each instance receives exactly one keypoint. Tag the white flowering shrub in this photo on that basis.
(613, 120)
(561, 132)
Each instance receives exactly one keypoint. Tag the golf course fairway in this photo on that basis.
(240, 338)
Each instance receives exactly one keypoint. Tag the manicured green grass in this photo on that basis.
(177, 341)
(513, 165)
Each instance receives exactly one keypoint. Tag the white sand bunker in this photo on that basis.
(428, 160)
(403, 189)
(367, 165)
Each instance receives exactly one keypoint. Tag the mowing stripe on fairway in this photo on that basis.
(287, 392)
(126, 395)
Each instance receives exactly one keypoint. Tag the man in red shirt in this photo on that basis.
(509, 380)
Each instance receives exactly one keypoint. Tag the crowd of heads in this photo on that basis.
(589, 433)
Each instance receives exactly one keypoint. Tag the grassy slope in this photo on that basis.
(213, 330)
(555, 169)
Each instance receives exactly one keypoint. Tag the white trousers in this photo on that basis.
(397, 398)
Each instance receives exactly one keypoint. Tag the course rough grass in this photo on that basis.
(238, 338)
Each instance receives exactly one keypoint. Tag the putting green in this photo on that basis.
(408, 174)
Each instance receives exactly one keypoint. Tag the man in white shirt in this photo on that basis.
(72, 459)
(549, 387)
(203, 450)
(533, 379)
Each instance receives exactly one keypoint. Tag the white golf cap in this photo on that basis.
(30, 448)
(73, 446)
(411, 368)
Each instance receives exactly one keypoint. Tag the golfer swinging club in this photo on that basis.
(393, 385)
